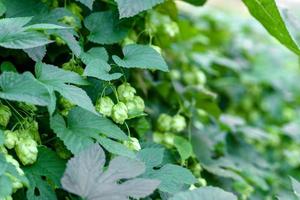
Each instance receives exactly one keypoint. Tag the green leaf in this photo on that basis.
(36, 53)
(172, 177)
(184, 147)
(13, 34)
(115, 147)
(48, 165)
(141, 56)
(24, 88)
(81, 127)
(56, 79)
(5, 186)
(268, 14)
(105, 28)
(7, 66)
(100, 69)
(129, 8)
(85, 177)
(205, 193)
(94, 53)
(87, 3)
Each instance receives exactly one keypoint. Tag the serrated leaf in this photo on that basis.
(129, 8)
(141, 56)
(81, 127)
(87, 3)
(98, 68)
(24, 88)
(115, 147)
(36, 53)
(205, 193)
(184, 147)
(94, 53)
(105, 28)
(268, 14)
(172, 177)
(85, 177)
(56, 79)
(48, 165)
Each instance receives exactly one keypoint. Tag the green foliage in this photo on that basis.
(186, 106)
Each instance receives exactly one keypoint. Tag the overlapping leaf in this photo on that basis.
(85, 177)
(129, 8)
(81, 127)
(141, 56)
(173, 177)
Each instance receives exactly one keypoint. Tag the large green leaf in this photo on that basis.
(205, 193)
(47, 165)
(24, 88)
(81, 127)
(94, 53)
(85, 177)
(98, 68)
(141, 56)
(105, 28)
(56, 79)
(129, 8)
(268, 14)
(173, 177)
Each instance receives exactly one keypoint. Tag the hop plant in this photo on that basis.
(126, 92)
(11, 139)
(26, 150)
(194, 77)
(178, 123)
(27, 107)
(5, 115)
(164, 123)
(31, 128)
(16, 183)
(73, 66)
(119, 113)
(135, 106)
(65, 105)
(133, 144)
(104, 106)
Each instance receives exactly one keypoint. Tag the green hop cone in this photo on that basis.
(5, 115)
(136, 106)
(65, 106)
(164, 122)
(126, 92)
(178, 123)
(133, 144)
(16, 183)
(26, 150)
(119, 113)
(73, 66)
(104, 106)
(11, 139)
(32, 128)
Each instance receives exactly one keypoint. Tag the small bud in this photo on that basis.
(65, 106)
(164, 122)
(119, 113)
(133, 144)
(126, 92)
(11, 139)
(178, 123)
(104, 106)
(26, 150)
(5, 115)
